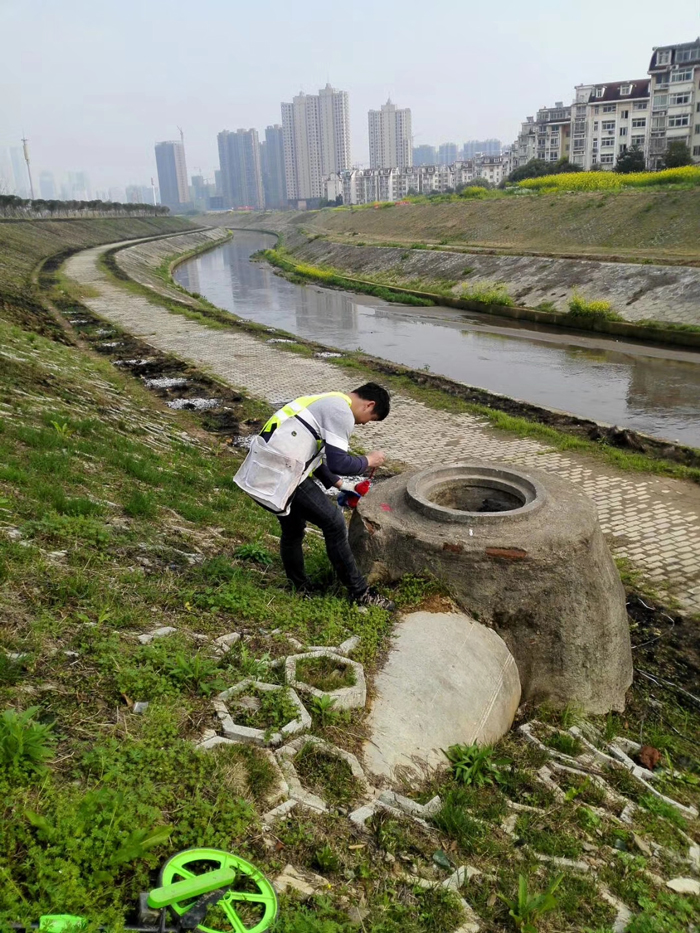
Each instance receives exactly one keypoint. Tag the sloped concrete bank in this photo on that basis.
(639, 292)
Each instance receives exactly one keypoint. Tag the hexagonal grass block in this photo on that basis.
(297, 791)
(258, 736)
(348, 697)
(279, 790)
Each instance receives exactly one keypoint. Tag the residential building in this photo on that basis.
(508, 160)
(390, 140)
(365, 186)
(424, 155)
(607, 119)
(447, 153)
(19, 172)
(7, 182)
(316, 134)
(200, 192)
(553, 129)
(272, 164)
(47, 186)
(490, 167)
(525, 146)
(241, 175)
(675, 100)
(139, 194)
(172, 174)
(76, 187)
(477, 147)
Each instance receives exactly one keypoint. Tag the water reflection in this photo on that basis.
(658, 395)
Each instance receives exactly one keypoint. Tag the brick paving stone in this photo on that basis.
(656, 520)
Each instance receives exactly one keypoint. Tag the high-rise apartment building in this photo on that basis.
(447, 153)
(172, 174)
(272, 163)
(606, 119)
(675, 100)
(241, 176)
(475, 147)
(140, 194)
(424, 155)
(390, 140)
(19, 172)
(316, 134)
(47, 186)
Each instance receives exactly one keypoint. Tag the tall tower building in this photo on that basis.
(447, 153)
(316, 136)
(424, 155)
(47, 186)
(241, 177)
(390, 142)
(272, 163)
(19, 172)
(172, 174)
(481, 147)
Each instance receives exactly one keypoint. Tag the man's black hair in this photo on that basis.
(371, 392)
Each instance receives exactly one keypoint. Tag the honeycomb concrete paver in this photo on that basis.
(652, 521)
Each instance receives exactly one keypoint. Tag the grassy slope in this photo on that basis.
(628, 224)
(24, 243)
(112, 523)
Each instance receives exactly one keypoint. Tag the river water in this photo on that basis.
(654, 390)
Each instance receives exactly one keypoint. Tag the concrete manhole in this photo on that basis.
(524, 554)
(473, 493)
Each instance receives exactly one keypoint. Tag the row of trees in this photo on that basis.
(13, 206)
(629, 161)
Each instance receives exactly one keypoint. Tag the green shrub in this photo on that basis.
(592, 310)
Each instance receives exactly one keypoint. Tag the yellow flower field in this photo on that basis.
(602, 181)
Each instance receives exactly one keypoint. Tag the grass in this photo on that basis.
(274, 710)
(325, 674)
(331, 278)
(626, 225)
(488, 295)
(327, 776)
(122, 791)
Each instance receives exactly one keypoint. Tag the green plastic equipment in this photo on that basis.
(204, 881)
(202, 887)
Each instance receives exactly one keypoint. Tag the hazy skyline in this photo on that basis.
(94, 88)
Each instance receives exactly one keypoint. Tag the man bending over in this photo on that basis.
(311, 435)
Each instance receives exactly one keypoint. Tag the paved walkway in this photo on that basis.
(652, 521)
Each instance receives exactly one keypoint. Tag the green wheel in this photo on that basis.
(249, 905)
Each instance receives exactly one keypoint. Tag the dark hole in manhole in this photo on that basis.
(476, 497)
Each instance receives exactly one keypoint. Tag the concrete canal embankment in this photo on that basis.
(636, 291)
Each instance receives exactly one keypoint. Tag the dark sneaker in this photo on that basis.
(371, 597)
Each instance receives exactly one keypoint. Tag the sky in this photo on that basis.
(93, 85)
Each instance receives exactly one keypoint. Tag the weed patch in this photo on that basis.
(328, 776)
(325, 674)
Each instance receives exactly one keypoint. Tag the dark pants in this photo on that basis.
(311, 504)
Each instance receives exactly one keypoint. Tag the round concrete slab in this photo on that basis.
(447, 680)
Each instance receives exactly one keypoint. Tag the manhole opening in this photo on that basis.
(476, 496)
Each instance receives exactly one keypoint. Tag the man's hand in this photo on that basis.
(375, 458)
